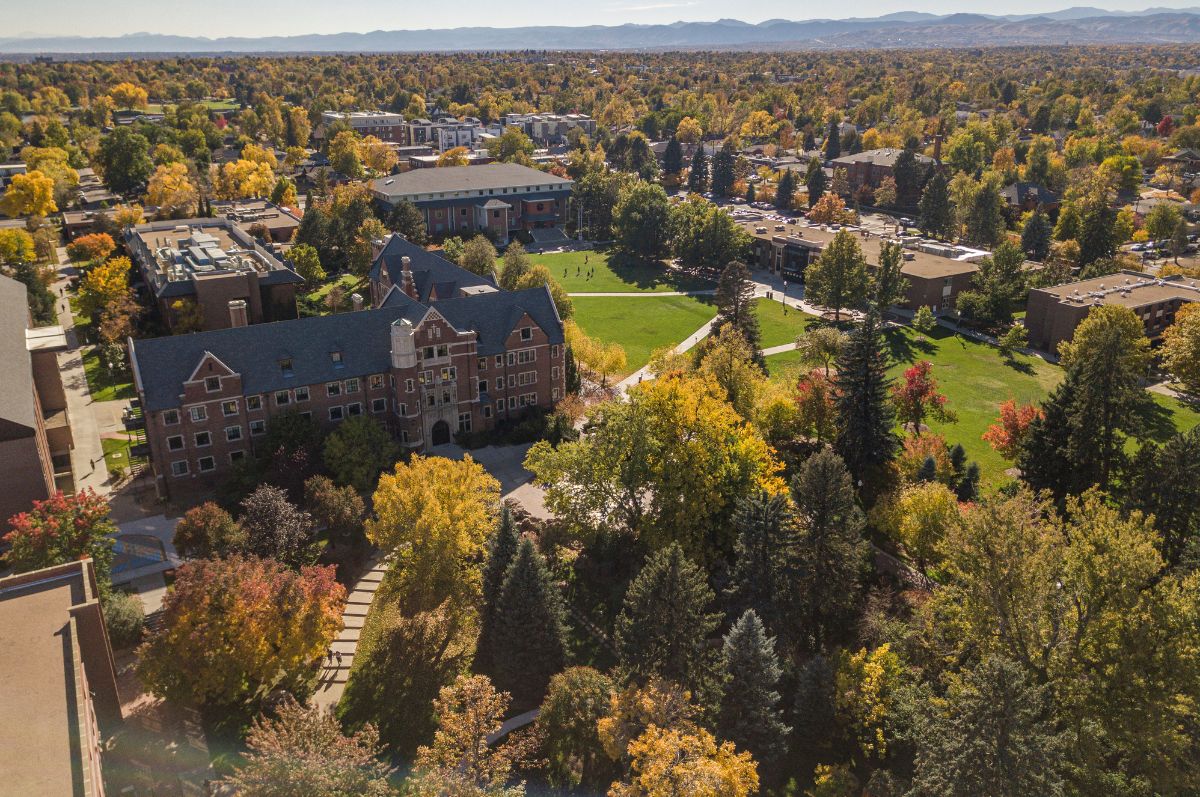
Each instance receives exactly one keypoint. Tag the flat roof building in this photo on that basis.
(1052, 314)
(60, 683)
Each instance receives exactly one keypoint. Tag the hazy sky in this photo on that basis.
(273, 17)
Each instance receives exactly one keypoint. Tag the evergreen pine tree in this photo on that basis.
(1036, 236)
(751, 194)
(503, 549)
(936, 215)
(866, 438)
(814, 181)
(765, 553)
(928, 470)
(1044, 458)
(832, 551)
(571, 375)
(736, 304)
(815, 706)
(750, 715)
(673, 157)
(833, 140)
(722, 169)
(785, 190)
(664, 626)
(529, 645)
(698, 175)
(1164, 481)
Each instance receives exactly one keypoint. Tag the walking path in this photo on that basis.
(335, 669)
(644, 373)
(632, 294)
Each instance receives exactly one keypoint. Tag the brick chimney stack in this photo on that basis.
(237, 313)
(406, 280)
(356, 301)
(377, 246)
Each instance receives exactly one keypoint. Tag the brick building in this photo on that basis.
(216, 265)
(35, 432)
(497, 199)
(869, 168)
(427, 362)
(1052, 314)
(381, 124)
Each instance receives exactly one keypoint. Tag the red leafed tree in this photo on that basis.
(61, 529)
(1008, 433)
(235, 629)
(1166, 126)
(916, 396)
(815, 405)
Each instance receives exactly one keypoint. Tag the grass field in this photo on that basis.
(774, 327)
(116, 452)
(347, 282)
(644, 324)
(101, 384)
(615, 274)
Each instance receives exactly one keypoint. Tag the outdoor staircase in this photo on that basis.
(335, 669)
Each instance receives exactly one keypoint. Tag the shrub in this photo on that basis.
(125, 617)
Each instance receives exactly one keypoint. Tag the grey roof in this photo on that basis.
(466, 178)
(1017, 193)
(18, 414)
(363, 338)
(882, 157)
(434, 276)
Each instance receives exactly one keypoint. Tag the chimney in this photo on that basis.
(937, 148)
(237, 313)
(377, 248)
(406, 280)
(356, 301)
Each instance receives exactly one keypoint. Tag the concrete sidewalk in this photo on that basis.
(632, 294)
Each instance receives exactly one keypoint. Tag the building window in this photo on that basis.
(487, 410)
(449, 374)
(431, 400)
(179, 468)
(306, 415)
(525, 356)
(499, 360)
(285, 366)
(554, 351)
(198, 414)
(499, 383)
(212, 384)
(351, 385)
(554, 394)
(282, 398)
(175, 442)
(512, 380)
(336, 358)
(528, 378)
(170, 417)
(354, 409)
(229, 408)
(512, 358)
(483, 363)
(554, 372)
(377, 381)
(233, 433)
(202, 439)
(206, 464)
(408, 386)
(254, 402)
(500, 406)
(427, 353)
(403, 435)
(302, 394)
(258, 427)
(378, 405)
(512, 402)
(236, 456)
(336, 413)
(402, 409)
(333, 388)
(464, 422)
(443, 350)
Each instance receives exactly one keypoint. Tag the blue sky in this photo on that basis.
(272, 17)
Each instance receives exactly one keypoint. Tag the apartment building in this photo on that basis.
(60, 683)
(213, 266)
(427, 361)
(381, 124)
(870, 167)
(497, 199)
(550, 128)
(35, 431)
(1052, 314)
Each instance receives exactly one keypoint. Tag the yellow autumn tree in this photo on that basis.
(259, 154)
(669, 762)
(601, 359)
(455, 156)
(105, 283)
(128, 95)
(919, 518)
(377, 155)
(866, 684)
(171, 190)
(30, 194)
(689, 130)
(435, 515)
(242, 179)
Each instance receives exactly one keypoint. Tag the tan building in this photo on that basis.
(35, 432)
(60, 683)
(936, 273)
(1053, 313)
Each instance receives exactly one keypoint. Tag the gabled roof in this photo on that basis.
(435, 277)
(493, 316)
(1017, 193)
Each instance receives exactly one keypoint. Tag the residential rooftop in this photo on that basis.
(451, 179)
(880, 157)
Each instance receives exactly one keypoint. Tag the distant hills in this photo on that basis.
(1078, 25)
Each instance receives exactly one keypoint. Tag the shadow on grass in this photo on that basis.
(647, 274)
(1157, 422)
(1020, 366)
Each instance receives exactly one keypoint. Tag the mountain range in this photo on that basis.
(1078, 25)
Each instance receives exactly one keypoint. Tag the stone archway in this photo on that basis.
(440, 434)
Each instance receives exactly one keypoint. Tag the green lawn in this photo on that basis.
(116, 452)
(1170, 415)
(776, 328)
(103, 385)
(614, 273)
(347, 282)
(644, 324)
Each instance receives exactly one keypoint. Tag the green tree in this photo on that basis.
(838, 279)
(641, 220)
(124, 156)
(512, 146)
(888, 286)
(785, 190)
(750, 716)
(996, 288)
(983, 219)
(814, 181)
(1164, 481)
(1036, 236)
(865, 439)
(208, 531)
(576, 700)
(995, 735)
(673, 157)
(502, 549)
(479, 257)
(833, 140)
(515, 268)
(765, 558)
(698, 173)
(936, 214)
(1161, 221)
(529, 645)
(406, 220)
(723, 176)
(339, 509)
(358, 450)
(736, 303)
(307, 263)
(664, 626)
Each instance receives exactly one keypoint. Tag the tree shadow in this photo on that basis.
(1020, 366)
(649, 274)
(1157, 422)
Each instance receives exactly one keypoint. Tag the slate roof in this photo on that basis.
(466, 178)
(434, 276)
(163, 364)
(880, 157)
(18, 414)
(1017, 193)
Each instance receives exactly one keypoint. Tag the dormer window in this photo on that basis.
(336, 358)
(285, 366)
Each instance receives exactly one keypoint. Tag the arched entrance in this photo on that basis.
(440, 435)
